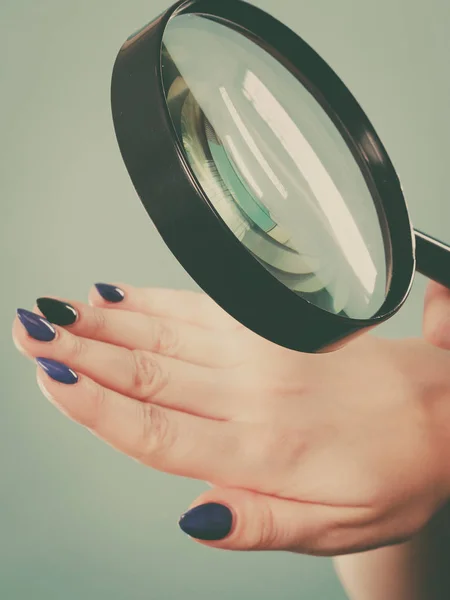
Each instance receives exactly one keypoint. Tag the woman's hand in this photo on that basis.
(319, 454)
(417, 569)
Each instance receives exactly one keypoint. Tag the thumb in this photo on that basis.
(233, 519)
(436, 316)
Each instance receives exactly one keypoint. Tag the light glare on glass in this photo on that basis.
(274, 166)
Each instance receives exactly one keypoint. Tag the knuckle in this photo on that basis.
(267, 536)
(165, 338)
(154, 439)
(287, 446)
(98, 324)
(148, 376)
(78, 348)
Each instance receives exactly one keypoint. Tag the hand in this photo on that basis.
(436, 316)
(417, 569)
(319, 454)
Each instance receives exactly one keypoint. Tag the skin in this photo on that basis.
(322, 455)
(417, 569)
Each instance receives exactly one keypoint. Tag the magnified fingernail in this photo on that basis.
(57, 312)
(37, 327)
(209, 522)
(110, 293)
(58, 371)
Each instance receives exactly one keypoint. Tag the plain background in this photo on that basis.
(78, 520)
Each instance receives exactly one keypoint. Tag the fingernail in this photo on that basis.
(37, 327)
(58, 371)
(57, 312)
(110, 293)
(210, 522)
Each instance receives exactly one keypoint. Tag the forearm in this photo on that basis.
(416, 570)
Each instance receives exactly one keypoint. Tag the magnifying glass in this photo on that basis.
(264, 176)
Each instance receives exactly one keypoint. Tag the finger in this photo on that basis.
(233, 519)
(231, 453)
(436, 319)
(167, 440)
(137, 331)
(191, 307)
(142, 375)
(164, 439)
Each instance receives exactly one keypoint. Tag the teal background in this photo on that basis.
(78, 520)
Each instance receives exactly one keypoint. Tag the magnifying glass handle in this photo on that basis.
(432, 258)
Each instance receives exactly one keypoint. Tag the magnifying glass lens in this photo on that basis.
(274, 167)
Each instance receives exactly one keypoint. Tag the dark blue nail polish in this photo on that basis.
(110, 293)
(209, 522)
(58, 371)
(37, 327)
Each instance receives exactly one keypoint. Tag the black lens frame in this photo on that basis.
(196, 235)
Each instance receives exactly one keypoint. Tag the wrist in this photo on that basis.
(389, 573)
(415, 570)
(427, 370)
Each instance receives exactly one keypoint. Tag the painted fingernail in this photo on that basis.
(58, 371)
(37, 327)
(110, 293)
(210, 522)
(57, 312)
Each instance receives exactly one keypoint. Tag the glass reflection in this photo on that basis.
(274, 167)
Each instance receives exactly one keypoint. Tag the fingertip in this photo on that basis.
(208, 522)
(57, 311)
(40, 378)
(244, 520)
(20, 337)
(107, 294)
(94, 298)
(57, 371)
(37, 310)
(16, 339)
(226, 519)
(51, 390)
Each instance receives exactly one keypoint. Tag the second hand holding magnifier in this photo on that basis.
(264, 176)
